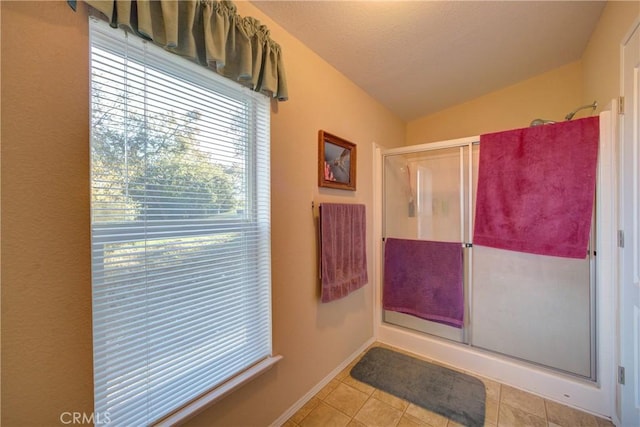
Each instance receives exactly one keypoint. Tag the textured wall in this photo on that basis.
(46, 284)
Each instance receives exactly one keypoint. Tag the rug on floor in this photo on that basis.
(454, 395)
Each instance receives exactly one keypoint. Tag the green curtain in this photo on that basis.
(208, 32)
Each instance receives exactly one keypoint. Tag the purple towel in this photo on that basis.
(536, 188)
(424, 279)
(343, 249)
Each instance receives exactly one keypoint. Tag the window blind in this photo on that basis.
(180, 228)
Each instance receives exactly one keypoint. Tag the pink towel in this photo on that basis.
(424, 279)
(536, 188)
(343, 249)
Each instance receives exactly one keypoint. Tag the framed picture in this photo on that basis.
(336, 162)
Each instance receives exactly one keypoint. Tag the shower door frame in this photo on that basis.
(466, 239)
(594, 396)
(466, 230)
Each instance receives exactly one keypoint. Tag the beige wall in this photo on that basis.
(46, 301)
(550, 96)
(46, 291)
(601, 59)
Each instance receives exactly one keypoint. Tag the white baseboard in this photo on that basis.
(315, 389)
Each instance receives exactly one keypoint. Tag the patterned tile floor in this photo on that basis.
(348, 402)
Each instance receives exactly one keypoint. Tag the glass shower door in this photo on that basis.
(534, 308)
(425, 198)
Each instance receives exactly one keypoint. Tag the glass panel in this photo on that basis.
(423, 195)
(423, 199)
(533, 307)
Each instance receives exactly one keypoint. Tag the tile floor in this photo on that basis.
(348, 402)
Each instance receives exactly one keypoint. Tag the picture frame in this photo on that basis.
(336, 162)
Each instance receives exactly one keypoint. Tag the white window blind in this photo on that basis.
(180, 228)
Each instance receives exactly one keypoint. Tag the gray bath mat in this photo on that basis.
(454, 395)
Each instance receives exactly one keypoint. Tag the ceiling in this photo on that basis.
(419, 57)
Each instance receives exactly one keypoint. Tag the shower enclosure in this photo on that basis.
(532, 308)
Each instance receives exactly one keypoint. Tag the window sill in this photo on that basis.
(218, 393)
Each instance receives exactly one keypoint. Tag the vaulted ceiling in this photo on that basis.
(419, 57)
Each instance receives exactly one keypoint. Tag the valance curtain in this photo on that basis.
(208, 32)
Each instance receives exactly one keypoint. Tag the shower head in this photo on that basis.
(594, 105)
(538, 122)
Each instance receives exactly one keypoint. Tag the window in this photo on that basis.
(180, 228)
